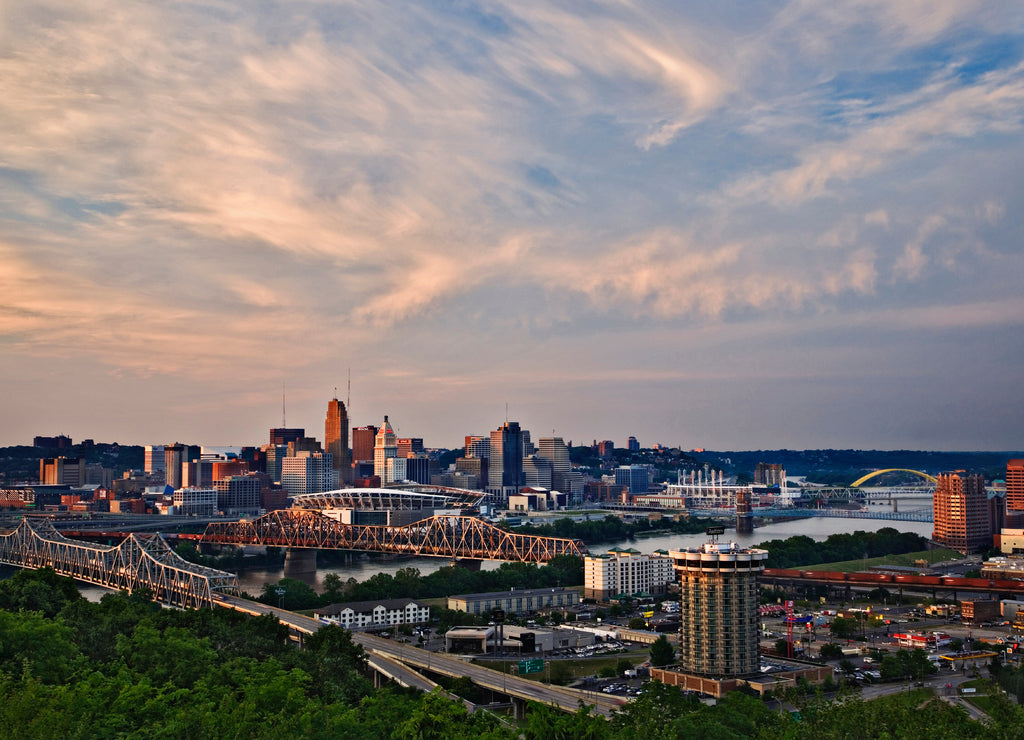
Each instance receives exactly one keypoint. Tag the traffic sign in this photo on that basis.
(532, 665)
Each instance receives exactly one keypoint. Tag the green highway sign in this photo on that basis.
(534, 665)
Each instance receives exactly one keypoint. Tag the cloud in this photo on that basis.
(192, 189)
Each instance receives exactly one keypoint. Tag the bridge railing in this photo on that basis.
(140, 561)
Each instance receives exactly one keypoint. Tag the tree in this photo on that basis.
(831, 651)
(662, 652)
(637, 623)
(843, 628)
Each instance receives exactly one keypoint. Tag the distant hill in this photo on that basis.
(840, 467)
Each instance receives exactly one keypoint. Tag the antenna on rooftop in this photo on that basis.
(348, 393)
(284, 421)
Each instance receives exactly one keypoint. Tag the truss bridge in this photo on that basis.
(456, 537)
(140, 561)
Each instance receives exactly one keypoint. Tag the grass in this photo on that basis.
(849, 566)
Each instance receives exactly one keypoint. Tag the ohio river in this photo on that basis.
(818, 528)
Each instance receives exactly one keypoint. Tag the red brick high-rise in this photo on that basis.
(961, 512)
(363, 439)
(1015, 485)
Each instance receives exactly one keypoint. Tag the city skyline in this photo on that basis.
(719, 226)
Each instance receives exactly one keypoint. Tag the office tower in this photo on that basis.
(336, 438)
(363, 440)
(308, 472)
(62, 471)
(174, 457)
(505, 468)
(537, 471)
(154, 457)
(605, 448)
(633, 476)
(385, 446)
(528, 448)
(632, 445)
(554, 450)
(960, 507)
(410, 446)
(478, 446)
(284, 435)
(718, 632)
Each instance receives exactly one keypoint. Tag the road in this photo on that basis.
(510, 685)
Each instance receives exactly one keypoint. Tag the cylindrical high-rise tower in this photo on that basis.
(718, 635)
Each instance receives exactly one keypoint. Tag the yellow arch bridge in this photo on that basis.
(857, 483)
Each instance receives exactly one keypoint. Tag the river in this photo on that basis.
(818, 528)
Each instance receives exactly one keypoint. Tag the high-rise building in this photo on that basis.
(363, 440)
(769, 474)
(718, 632)
(605, 448)
(475, 468)
(554, 450)
(284, 435)
(385, 446)
(273, 455)
(505, 468)
(336, 438)
(239, 494)
(632, 445)
(960, 507)
(154, 459)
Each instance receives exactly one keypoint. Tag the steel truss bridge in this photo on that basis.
(141, 561)
(919, 515)
(456, 537)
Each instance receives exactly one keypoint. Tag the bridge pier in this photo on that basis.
(299, 562)
(518, 708)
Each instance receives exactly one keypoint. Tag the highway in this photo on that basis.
(413, 657)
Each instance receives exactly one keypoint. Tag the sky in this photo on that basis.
(722, 224)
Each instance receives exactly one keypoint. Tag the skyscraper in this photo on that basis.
(554, 450)
(336, 438)
(385, 446)
(960, 508)
(505, 471)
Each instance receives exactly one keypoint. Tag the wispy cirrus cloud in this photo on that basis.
(185, 187)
